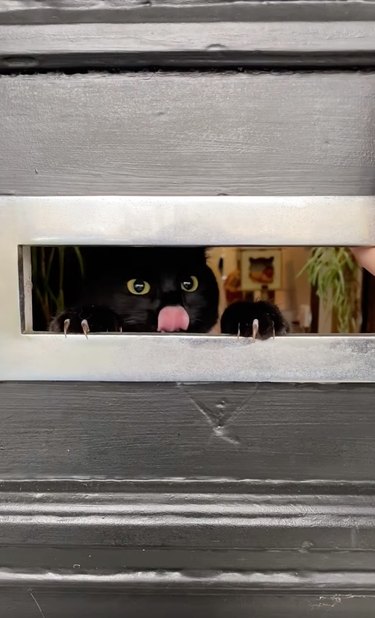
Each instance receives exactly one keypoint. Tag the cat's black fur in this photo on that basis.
(107, 303)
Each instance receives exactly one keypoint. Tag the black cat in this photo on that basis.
(157, 290)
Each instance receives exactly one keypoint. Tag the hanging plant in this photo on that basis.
(333, 271)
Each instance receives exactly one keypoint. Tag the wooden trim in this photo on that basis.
(188, 134)
(44, 12)
(154, 431)
(150, 535)
(76, 548)
(185, 45)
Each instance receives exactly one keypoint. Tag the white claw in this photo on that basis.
(273, 330)
(66, 326)
(255, 328)
(85, 327)
(239, 330)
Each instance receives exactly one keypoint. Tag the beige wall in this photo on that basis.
(295, 290)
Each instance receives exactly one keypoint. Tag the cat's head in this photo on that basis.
(159, 289)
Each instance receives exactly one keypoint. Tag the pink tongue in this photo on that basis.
(173, 318)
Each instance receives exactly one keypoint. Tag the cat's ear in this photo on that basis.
(199, 254)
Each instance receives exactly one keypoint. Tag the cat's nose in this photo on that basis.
(173, 318)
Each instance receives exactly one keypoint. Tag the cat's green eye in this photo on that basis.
(139, 287)
(190, 284)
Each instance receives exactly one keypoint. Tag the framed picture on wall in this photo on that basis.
(260, 268)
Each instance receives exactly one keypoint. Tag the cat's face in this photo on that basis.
(155, 289)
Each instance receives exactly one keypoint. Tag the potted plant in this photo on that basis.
(334, 273)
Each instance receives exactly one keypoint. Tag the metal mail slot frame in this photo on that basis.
(174, 221)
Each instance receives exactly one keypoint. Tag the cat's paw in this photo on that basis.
(85, 319)
(260, 319)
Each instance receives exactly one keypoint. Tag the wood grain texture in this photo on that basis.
(18, 603)
(179, 523)
(25, 12)
(161, 552)
(156, 431)
(219, 44)
(274, 37)
(185, 134)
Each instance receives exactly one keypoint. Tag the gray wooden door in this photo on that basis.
(205, 499)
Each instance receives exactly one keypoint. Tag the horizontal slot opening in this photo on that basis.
(127, 290)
